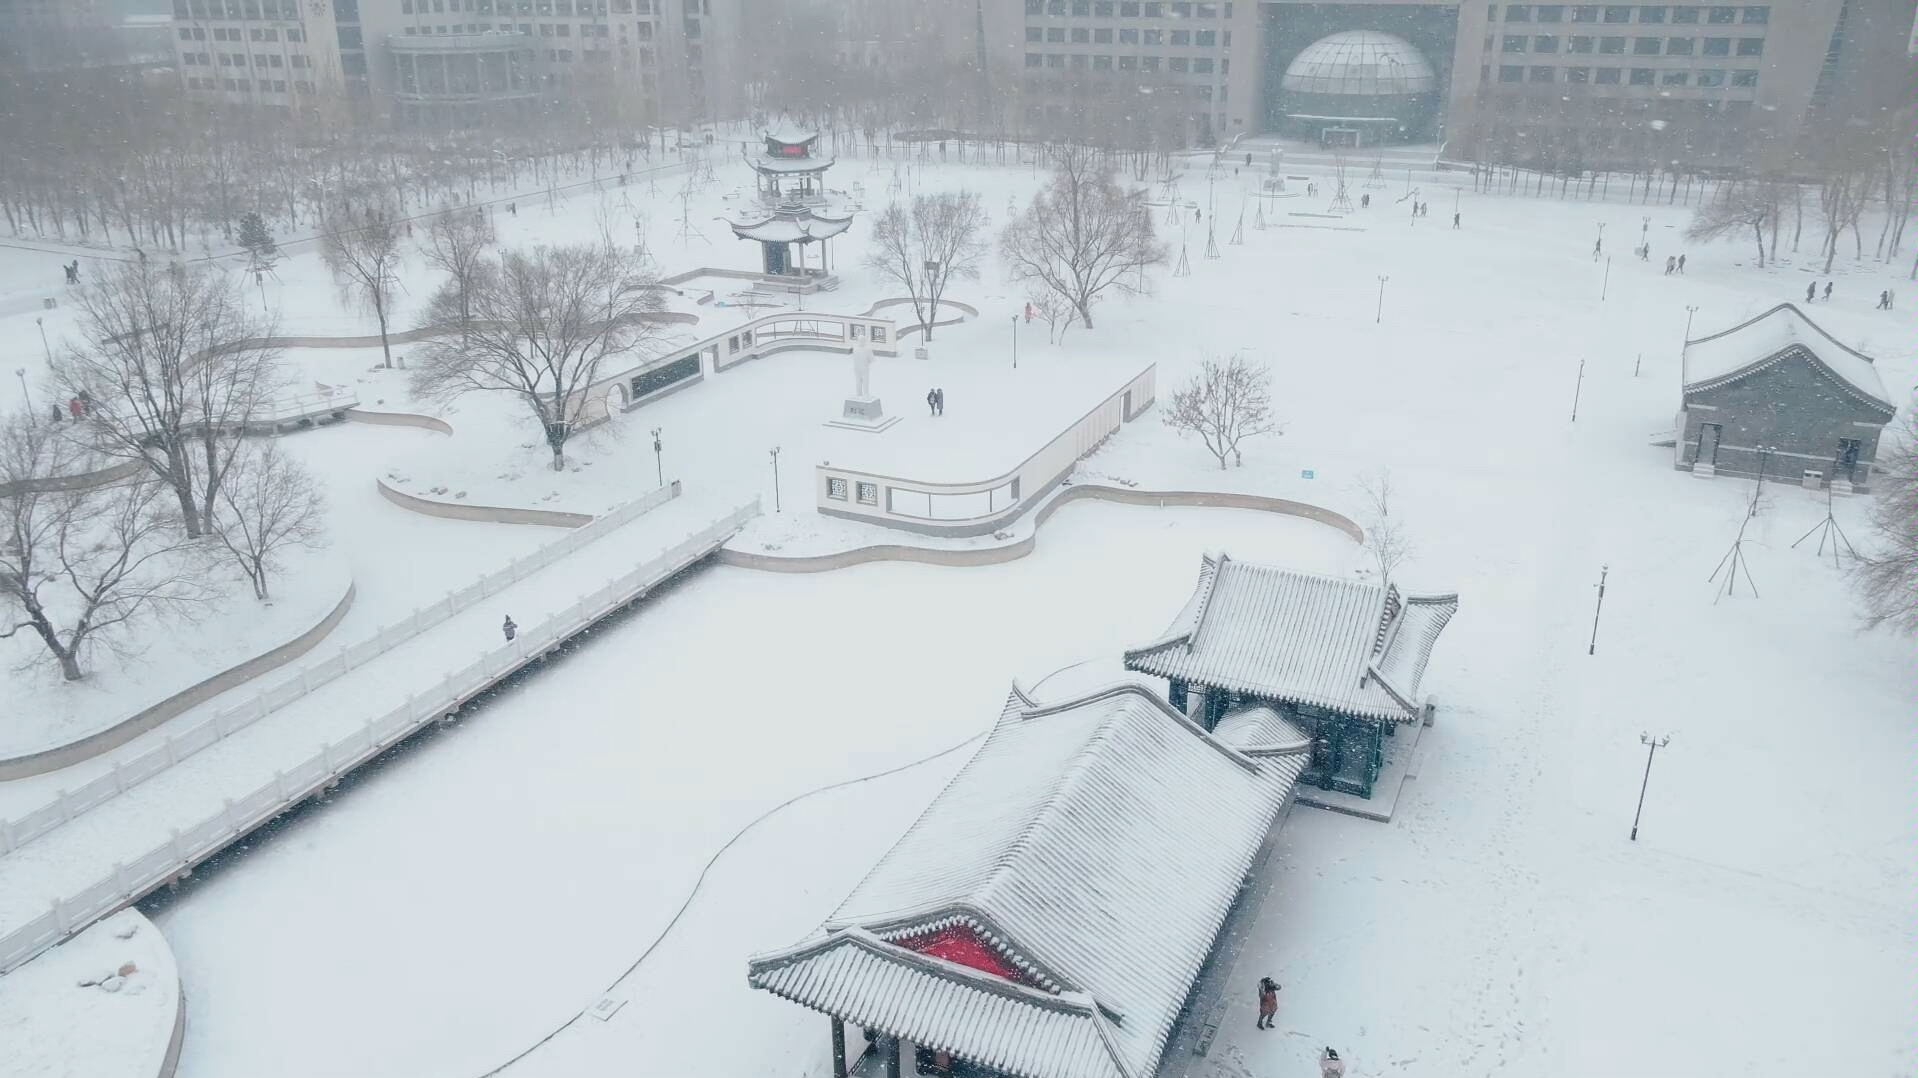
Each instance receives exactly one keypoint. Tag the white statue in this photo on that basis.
(862, 368)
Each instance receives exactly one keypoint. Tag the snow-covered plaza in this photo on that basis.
(705, 777)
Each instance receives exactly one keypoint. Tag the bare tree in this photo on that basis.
(1739, 204)
(927, 245)
(79, 564)
(1225, 403)
(457, 239)
(1385, 535)
(269, 504)
(174, 363)
(1056, 310)
(363, 253)
(1083, 234)
(1887, 575)
(546, 323)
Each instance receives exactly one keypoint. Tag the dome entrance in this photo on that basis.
(1357, 87)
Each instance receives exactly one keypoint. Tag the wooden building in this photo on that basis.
(1778, 397)
(1049, 912)
(1340, 659)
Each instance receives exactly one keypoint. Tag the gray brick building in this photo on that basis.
(1780, 397)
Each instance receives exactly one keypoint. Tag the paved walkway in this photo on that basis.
(71, 857)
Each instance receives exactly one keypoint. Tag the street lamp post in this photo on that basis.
(1015, 341)
(1379, 316)
(1602, 571)
(659, 466)
(21, 373)
(1577, 389)
(1690, 310)
(1652, 745)
(1764, 457)
(44, 346)
(776, 505)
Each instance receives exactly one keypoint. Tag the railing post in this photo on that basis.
(6, 836)
(120, 879)
(226, 814)
(60, 916)
(60, 802)
(119, 783)
(173, 845)
(279, 785)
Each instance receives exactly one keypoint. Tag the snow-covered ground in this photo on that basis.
(479, 892)
(73, 1013)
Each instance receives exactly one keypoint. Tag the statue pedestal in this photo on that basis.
(863, 414)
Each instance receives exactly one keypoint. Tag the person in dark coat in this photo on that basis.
(511, 630)
(1811, 291)
(1455, 220)
(932, 402)
(1671, 265)
(1884, 301)
(939, 401)
(1827, 291)
(1268, 1002)
(1681, 263)
(56, 413)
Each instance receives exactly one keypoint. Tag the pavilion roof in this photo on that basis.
(1777, 335)
(789, 166)
(1096, 846)
(1345, 645)
(792, 223)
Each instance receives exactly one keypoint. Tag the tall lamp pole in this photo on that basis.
(1602, 571)
(659, 466)
(1380, 315)
(1577, 389)
(1690, 310)
(1015, 340)
(776, 506)
(1652, 745)
(44, 346)
(21, 373)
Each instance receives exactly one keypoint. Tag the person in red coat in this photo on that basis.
(1268, 1001)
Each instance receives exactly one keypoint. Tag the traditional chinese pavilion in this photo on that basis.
(1048, 913)
(792, 184)
(1340, 659)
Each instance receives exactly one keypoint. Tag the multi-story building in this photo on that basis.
(55, 35)
(1568, 84)
(465, 60)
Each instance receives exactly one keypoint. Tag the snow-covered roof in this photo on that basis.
(1777, 335)
(790, 132)
(1048, 912)
(790, 224)
(789, 165)
(1261, 731)
(1344, 645)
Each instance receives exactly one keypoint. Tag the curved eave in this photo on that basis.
(1857, 393)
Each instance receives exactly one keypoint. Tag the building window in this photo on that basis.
(1578, 74)
(1549, 13)
(1579, 44)
(1607, 76)
(1751, 46)
(1721, 15)
(1182, 38)
(1651, 14)
(1618, 13)
(1542, 74)
(1718, 46)
(1055, 7)
(1035, 34)
(1678, 46)
(1518, 13)
(1148, 63)
(1153, 37)
(868, 493)
(1179, 64)
(1511, 73)
(1757, 16)
(1646, 46)
(1102, 36)
(1129, 9)
(1206, 39)
(1514, 43)
(1686, 15)
(1081, 35)
(1744, 78)
(1611, 46)
(1202, 66)
(1102, 9)
(1675, 78)
(1035, 7)
(1102, 63)
(1545, 43)
(1585, 13)
(1081, 8)
(1154, 10)
(1711, 78)
(1641, 76)
(1056, 35)
(836, 488)
(1128, 37)
(1078, 61)
(1055, 59)
(1128, 63)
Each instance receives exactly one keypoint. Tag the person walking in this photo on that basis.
(1671, 265)
(932, 402)
(1330, 1065)
(1811, 291)
(56, 413)
(1884, 301)
(1268, 1002)
(1827, 291)
(939, 402)
(1598, 245)
(1455, 220)
(511, 630)
(1681, 263)
(76, 408)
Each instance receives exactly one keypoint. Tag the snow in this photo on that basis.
(472, 896)
(69, 1014)
(1708, 359)
(165, 658)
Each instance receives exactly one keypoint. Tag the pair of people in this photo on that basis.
(1884, 300)
(1330, 1065)
(935, 402)
(1811, 292)
(1674, 264)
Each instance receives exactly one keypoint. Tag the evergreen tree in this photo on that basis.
(256, 239)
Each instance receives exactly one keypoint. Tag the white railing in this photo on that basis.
(180, 744)
(301, 405)
(126, 882)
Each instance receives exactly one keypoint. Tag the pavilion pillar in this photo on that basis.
(838, 1047)
(892, 1057)
(1175, 695)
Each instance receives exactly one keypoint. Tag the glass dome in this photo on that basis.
(1359, 62)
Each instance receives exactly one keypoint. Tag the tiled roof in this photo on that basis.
(791, 223)
(1345, 645)
(1261, 731)
(1776, 335)
(1098, 843)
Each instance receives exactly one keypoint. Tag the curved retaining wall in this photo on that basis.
(83, 481)
(1013, 551)
(490, 513)
(170, 1063)
(86, 748)
(399, 419)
